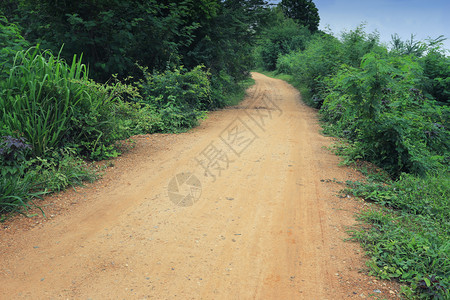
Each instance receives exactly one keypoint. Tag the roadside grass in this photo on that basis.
(24, 183)
(239, 95)
(408, 237)
(406, 234)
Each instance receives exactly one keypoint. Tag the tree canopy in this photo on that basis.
(115, 35)
(304, 12)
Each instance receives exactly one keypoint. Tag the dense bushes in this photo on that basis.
(50, 113)
(283, 37)
(178, 97)
(380, 101)
(391, 123)
(51, 104)
(321, 58)
(11, 41)
(114, 35)
(436, 68)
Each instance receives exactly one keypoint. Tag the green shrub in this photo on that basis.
(37, 97)
(357, 43)
(13, 152)
(391, 124)
(320, 59)
(15, 182)
(436, 66)
(22, 178)
(137, 118)
(179, 97)
(15, 194)
(11, 42)
(53, 104)
(59, 170)
(280, 40)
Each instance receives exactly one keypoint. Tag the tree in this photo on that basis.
(281, 38)
(304, 12)
(224, 43)
(115, 34)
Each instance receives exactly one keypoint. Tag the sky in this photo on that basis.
(423, 18)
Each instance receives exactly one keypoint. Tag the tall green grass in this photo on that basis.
(50, 112)
(38, 97)
(53, 104)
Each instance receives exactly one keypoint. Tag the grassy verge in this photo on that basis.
(24, 182)
(236, 97)
(407, 236)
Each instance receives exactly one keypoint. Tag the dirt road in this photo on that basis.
(234, 209)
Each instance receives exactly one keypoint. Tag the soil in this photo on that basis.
(244, 206)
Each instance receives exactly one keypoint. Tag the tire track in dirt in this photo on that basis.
(265, 226)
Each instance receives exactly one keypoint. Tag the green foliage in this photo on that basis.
(238, 93)
(36, 97)
(13, 151)
(25, 180)
(224, 43)
(59, 170)
(436, 68)
(411, 243)
(390, 123)
(224, 86)
(191, 89)
(136, 117)
(114, 35)
(281, 39)
(434, 61)
(180, 97)
(304, 12)
(46, 105)
(320, 59)
(408, 47)
(15, 194)
(11, 41)
(323, 56)
(22, 179)
(357, 43)
(52, 104)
